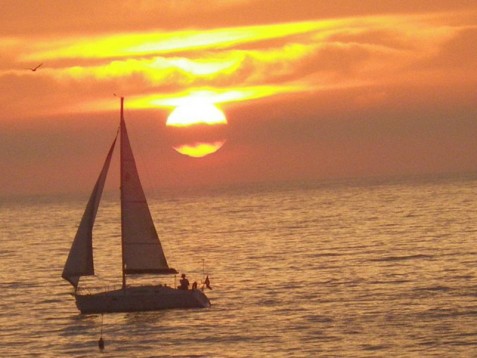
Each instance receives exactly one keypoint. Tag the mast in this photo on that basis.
(123, 261)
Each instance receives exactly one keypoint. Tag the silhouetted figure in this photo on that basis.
(194, 285)
(184, 283)
(207, 283)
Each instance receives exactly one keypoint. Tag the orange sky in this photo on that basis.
(311, 89)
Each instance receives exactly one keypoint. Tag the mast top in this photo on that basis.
(122, 104)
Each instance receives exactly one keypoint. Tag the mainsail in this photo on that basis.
(80, 258)
(142, 250)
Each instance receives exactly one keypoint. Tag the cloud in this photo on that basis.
(458, 51)
(305, 56)
(322, 88)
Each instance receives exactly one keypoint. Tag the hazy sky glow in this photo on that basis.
(314, 89)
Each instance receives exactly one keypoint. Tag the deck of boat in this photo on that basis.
(140, 298)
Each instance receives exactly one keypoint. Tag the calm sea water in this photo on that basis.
(335, 270)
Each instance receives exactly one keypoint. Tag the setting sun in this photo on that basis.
(197, 128)
(198, 150)
(196, 112)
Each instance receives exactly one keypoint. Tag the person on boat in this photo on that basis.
(207, 283)
(184, 283)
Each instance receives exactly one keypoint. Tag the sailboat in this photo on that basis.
(142, 251)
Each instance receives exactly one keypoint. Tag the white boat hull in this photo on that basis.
(138, 299)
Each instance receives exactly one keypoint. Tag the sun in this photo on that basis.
(196, 112)
(198, 150)
(197, 128)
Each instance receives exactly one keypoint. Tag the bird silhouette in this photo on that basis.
(36, 68)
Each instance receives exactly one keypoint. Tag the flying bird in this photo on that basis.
(36, 68)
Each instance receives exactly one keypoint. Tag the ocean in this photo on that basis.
(329, 269)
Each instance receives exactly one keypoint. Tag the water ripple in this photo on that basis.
(336, 271)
